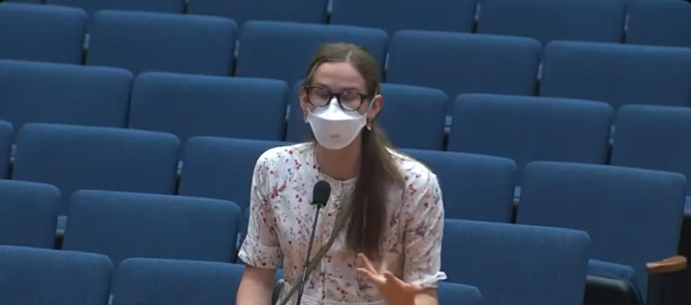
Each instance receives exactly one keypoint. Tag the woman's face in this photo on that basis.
(342, 79)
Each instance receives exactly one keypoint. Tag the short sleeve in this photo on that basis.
(424, 230)
(261, 247)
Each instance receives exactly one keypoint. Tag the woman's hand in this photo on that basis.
(393, 289)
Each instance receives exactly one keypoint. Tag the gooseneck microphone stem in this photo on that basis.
(309, 254)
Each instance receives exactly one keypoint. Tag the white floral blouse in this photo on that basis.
(281, 218)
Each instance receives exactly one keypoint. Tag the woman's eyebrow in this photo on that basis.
(318, 84)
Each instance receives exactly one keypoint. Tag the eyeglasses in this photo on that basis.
(347, 100)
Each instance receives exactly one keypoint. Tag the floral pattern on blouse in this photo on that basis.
(281, 218)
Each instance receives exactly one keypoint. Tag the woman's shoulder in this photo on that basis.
(286, 155)
(415, 173)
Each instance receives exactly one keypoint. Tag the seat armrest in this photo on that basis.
(668, 265)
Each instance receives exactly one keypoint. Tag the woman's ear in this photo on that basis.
(303, 101)
(377, 104)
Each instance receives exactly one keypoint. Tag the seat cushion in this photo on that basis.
(614, 271)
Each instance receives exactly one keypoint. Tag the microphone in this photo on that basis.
(320, 195)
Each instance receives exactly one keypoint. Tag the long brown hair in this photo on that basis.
(366, 227)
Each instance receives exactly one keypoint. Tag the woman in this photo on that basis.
(388, 251)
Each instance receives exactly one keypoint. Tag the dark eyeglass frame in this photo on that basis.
(363, 97)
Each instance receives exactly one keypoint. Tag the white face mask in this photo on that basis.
(335, 128)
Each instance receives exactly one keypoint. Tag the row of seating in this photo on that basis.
(85, 278)
(637, 21)
(523, 129)
(633, 217)
(34, 276)
(456, 63)
(134, 160)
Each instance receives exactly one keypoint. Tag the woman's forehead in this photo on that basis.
(338, 76)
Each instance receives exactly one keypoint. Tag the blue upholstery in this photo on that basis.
(434, 15)
(412, 117)
(6, 138)
(221, 167)
(297, 130)
(464, 63)
(284, 50)
(28, 213)
(654, 137)
(196, 105)
(624, 74)
(661, 22)
(41, 33)
(124, 225)
(517, 264)
(32, 276)
(92, 6)
(526, 129)
(143, 41)
(454, 294)
(165, 281)
(62, 93)
(611, 270)
(77, 157)
(305, 11)
(632, 215)
(547, 20)
(473, 187)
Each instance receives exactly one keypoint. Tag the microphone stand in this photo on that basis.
(309, 254)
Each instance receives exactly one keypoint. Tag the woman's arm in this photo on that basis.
(256, 286)
(260, 250)
(424, 229)
(427, 297)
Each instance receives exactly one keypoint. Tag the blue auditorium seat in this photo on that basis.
(62, 93)
(32, 276)
(28, 213)
(654, 137)
(283, 50)
(454, 294)
(221, 167)
(6, 138)
(464, 63)
(305, 11)
(124, 225)
(297, 130)
(42, 33)
(412, 117)
(616, 73)
(633, 215)
(517, 264)
(474, 187)
(144, 41)
(92, 6)
(197, 105)
(661, 22)
(527, 128)
(547, 20)
(434, 15)
(164, 281)
(78, 157)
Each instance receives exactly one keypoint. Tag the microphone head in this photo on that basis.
(321, 193)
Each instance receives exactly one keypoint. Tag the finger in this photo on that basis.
(365, 263)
